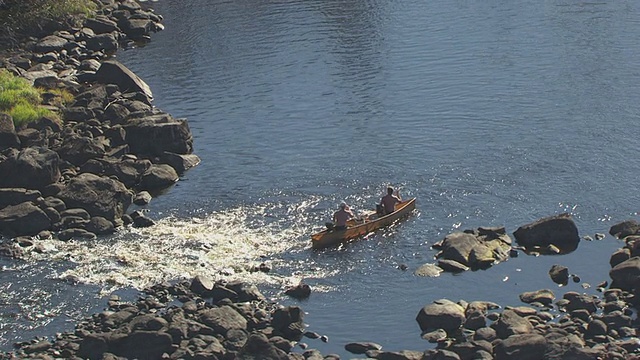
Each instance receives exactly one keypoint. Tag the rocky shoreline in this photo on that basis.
(77, 179)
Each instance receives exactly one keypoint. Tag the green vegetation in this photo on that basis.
(22, 101)
(20, 18)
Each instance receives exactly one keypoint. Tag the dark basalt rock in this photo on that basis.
(23, 219)
(100, 196)
(559, 231)
(37, 166)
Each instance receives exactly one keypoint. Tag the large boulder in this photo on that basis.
(180, 162)
(51, 43)
(288, 321)
(441, 314)
(99, 195)
(457, 247)
(101, 24)
(128, 171)
(8, 136)
(29, 168)
(510, 323)
(626, 275)
(624, 229)
(222, 319)
(158, 177)
(156, 343)
(15, 196)
(156, 134)
(476, 249)
(78, 149)
(113, 72)
(23, 219)
(559, 231)
(103, 42)
(521, 347)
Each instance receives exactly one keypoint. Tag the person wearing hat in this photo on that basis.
(341, 216)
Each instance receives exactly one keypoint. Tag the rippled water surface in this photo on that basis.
(491, 113)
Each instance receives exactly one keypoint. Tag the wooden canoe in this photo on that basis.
(360, 227)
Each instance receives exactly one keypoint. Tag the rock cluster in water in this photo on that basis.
(211, 320)
(77, 178)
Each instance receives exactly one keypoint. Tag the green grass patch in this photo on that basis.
(23, 101)
(19, 18)
(23, 113)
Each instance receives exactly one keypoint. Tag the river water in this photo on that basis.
(490, 113)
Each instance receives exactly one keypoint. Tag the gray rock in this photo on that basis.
(100, 226)
(435, 336)
(23, 219)
(75, 233)
(79, 212)
(158, 177)
(78, 114)
(154, 135)
(452, 266)
(245, 291)
(624, 229)
(259, 347)
(180, 162)
(15, 196)
(485, 333)
(79, 149)
(580, 301)
(626, 275)
(288, 321)
(361, 347)
(202, 285)
(428, 270)
(137, 28)
(100, 196)
(223, 319)
(8, 136)
(559, 274)
(128, 171)
(117, 113)
(543, 296)
(443, 314)
(300, 291)
(155, 344)
(113, 72)
(619, 256)
(101, 24)
(559, 231)
(596, 327)
(51, 43)
(521, 347)
(457, 247)
(103, 42)
(142, 198)
(140, 220)
(32, 168)
(510, 324)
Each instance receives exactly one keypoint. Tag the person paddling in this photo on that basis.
(389, 201)
(341, 217)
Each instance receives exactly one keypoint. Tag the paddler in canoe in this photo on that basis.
(389, 201)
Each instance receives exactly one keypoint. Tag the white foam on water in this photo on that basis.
(224, 245)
